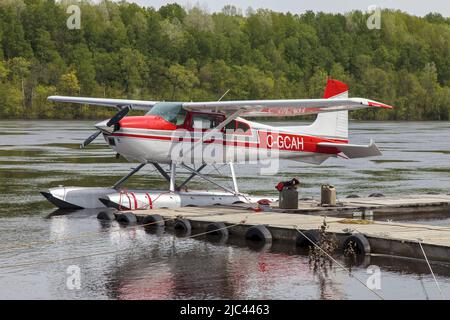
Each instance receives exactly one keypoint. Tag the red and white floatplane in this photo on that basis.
(193, 135)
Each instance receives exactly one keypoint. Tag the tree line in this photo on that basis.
(123, 50)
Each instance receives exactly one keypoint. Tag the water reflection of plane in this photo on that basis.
(74, 213)
(173, 268)
(188, 268)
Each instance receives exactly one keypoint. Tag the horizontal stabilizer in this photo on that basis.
(353, 151)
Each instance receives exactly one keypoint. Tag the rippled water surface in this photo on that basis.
(37, 244)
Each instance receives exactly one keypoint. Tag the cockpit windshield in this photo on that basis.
(170, 111)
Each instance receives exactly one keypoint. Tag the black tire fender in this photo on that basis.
(302, 241)
(258, 233)
(376, 195)
(183, 224)
(107, 214)
(126, 218)
(217, 229)
(359, 242)
(153, 220)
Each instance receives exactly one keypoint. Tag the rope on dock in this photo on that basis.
(419, 241)
(338, 263)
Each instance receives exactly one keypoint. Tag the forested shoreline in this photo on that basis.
(126, 51)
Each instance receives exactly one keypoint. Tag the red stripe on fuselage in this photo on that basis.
(267, 140)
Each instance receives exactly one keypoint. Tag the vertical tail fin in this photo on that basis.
(332, 124)
(335, 90)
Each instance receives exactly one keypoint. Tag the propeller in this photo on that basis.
(118, 116)
(111, 122)
(90, 139)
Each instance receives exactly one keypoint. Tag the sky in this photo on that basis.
(416, 7)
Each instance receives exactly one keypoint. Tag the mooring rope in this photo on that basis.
(112, 251)
(79, 236)
(338, 263)
(93, 233)
(431, 270)
(215, 230)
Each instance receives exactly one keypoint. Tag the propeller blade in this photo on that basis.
(113, 121)
(118, 116)
(90, 139)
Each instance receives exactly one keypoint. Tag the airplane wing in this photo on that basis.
(353, 151)
(253, 108)
(135, 104)
(282, 108)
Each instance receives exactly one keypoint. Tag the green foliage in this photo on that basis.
(124, 50)
(68, 84)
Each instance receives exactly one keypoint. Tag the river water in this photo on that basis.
(41, 251)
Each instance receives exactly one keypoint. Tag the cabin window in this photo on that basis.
(171, 112)
(237, 127)
(231, 127)
(241, 126)
(205, 121)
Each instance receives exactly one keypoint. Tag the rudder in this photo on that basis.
(333, 125)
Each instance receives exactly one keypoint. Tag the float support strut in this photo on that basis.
(173, 169)
(121, 181)
(161, 171)
(233, 175)
(185, 182)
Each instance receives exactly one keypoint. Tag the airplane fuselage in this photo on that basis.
(153, 139)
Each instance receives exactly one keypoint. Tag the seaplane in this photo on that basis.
(193, 135)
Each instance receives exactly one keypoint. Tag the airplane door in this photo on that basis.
(213, 147)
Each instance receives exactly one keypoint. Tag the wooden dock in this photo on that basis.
(385, 238)
(404, 207)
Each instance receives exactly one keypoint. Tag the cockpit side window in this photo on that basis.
(237, 127)
(205, 121)
(171, 112)
(241, 126)
(230, 127)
